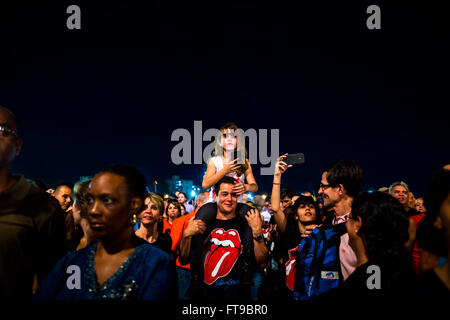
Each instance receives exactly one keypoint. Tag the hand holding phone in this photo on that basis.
(295, 158)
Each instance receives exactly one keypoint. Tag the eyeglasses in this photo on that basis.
(6, 131)
(324, 186)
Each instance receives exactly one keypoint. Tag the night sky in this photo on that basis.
(114, 91)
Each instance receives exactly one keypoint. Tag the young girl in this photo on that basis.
(230, 159)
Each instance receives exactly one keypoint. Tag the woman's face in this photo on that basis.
(229, 140)
(109, 206)
(151, 214)
(306, 212)
(173, 211)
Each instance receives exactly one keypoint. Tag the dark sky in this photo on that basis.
(114, 91)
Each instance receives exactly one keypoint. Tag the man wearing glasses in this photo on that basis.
(32, 229)
(341, 182)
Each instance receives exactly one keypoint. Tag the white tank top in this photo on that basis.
(218, 163)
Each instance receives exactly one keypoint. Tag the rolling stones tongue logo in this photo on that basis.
(223, 254)
(290, 267)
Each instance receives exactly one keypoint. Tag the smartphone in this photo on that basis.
(295, 158)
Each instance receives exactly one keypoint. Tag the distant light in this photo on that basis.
(249, 196)
(264, 196)
(193, 194)
(166, 196)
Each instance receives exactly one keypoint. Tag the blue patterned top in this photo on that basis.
(147, 274)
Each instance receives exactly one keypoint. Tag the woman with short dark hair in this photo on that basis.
(173, 211)
(120, 265)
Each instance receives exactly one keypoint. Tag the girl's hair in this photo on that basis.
(384, 232)
(176, 204)
(240, 151)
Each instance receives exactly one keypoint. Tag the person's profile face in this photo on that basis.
(64, 196)
(328, 193)
(109, 206)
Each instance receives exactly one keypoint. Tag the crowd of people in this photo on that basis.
(106, 237)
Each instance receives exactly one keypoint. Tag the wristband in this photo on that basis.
(279, 183)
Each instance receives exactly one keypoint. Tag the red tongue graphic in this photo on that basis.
(291, 268)
(221, 259)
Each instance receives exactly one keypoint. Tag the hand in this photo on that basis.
(309, 230)
(194, 227)
(239, 188)
(232, 166)
(254, 221)
(281, 166)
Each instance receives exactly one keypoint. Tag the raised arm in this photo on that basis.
(251, 185)
(278, 214)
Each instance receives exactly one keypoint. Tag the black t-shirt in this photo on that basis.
(164, 242)
(223, 260)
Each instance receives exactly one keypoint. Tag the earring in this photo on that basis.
(133, 219)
